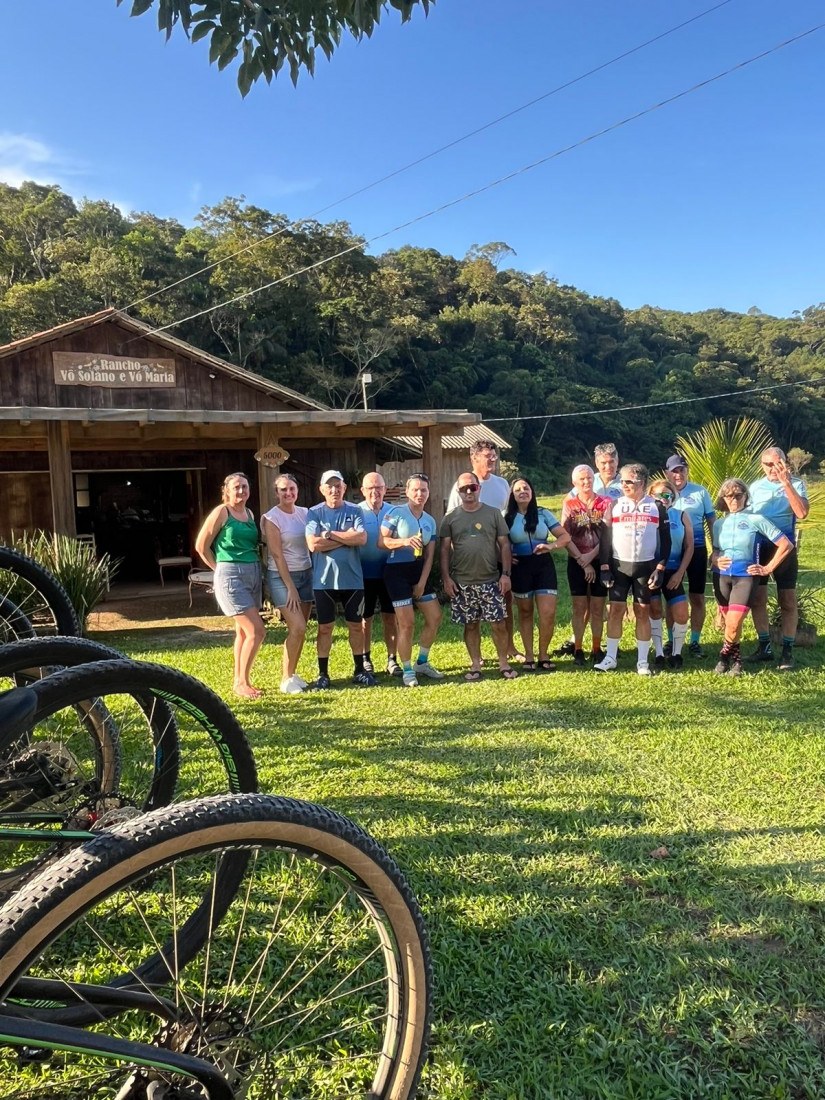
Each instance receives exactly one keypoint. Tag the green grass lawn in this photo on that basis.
(622, 878)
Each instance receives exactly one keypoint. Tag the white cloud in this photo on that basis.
(273, 186)
(26, 158)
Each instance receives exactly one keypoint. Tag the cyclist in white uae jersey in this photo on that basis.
(635, 545)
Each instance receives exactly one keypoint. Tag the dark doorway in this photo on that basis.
(137, 517)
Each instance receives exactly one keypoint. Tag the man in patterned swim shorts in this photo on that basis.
(473, 537)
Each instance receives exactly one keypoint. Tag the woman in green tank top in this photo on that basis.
(228, 544)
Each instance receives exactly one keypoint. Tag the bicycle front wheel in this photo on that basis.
(311, 981)
(39, 601)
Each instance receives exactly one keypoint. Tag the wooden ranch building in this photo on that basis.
(110, 430)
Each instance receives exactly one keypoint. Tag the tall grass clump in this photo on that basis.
(85, 576)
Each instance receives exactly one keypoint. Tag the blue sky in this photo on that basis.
(716, 200)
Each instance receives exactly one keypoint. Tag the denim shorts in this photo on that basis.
(237, 586)
(301, 578)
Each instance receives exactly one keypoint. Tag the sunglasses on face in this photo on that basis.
(468, 488)
(663, 496)
(733, 496)
(768, 465)
(629, 481)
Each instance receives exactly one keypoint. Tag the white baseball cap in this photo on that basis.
(328, 475)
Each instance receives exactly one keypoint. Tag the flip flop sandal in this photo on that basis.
(546, 666)
(509, 674)
(529, 666)
(473, 676)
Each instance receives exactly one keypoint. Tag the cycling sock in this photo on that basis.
(367, 656)
(612, 650)
(359, 662)
(407, 665)
(695, 635)
(423, 655)
(763, 639)
(679, 634)
(787, 642)
(642, 651)
(656, 636)
(323, 666)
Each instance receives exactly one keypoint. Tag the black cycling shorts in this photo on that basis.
(375, 593)
(786, 573)
(631, 576)
(579, 586)
(350, 599)
(697, 570)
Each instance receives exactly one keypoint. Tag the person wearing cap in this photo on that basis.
(473, 538)
(334, 533)
(694, 500)
(373, 561)
(783, 499)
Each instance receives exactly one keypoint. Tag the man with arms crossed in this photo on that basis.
(334, 532)
(473, 538)
(695, 500)
(783, 500)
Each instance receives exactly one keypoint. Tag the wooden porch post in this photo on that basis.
(60, 476)
(267, 497)
(433, 466)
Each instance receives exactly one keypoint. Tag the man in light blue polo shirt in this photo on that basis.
(373, 560)
(783, 499)
(334, 533)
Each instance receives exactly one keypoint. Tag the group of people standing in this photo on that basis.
(621, 536)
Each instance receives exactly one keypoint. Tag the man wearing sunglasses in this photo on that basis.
(695, 501)
(634, 548)
(474, 537)
(783, 499)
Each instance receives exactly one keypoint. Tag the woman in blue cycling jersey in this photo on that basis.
(735, 561)
(673, 589)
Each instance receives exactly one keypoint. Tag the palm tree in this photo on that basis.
(725, 448)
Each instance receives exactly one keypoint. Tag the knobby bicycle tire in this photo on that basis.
(37, 594)
(111, 739)
(330, 998)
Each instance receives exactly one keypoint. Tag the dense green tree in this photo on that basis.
(271, 34)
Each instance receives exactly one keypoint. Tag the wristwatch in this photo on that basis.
(505, 572)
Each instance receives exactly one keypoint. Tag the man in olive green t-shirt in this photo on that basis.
(473, 538)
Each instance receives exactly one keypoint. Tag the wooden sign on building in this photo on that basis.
(80, 368)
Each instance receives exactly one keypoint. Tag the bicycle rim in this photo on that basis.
(41, 604)
(312, 981)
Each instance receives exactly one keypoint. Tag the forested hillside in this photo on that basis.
(433, 331)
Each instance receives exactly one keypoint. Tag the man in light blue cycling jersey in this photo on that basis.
(783, 500)
(695, 500)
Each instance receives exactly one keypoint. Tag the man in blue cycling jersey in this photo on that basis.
(695, 500)
(783, 500)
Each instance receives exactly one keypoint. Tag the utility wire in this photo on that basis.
(436, 152)
(494, 183)
(655, 404)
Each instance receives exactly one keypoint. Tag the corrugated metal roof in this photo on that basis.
(472, 433)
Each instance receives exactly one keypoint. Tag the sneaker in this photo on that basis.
(394, 668)
(323, 683)
(365, 679)
(300, 680)
(607, 664)
(675, 661)
(695, 650)
(566, 649)
(578, 657)
(426, 669)
(735, 668)
(722, 666)
(293, 685)
(409, 680)
(668, 648)
(643, 668)
(786, 661)
(598, 655)
(369, 666)
(659, 660)
(763, 652)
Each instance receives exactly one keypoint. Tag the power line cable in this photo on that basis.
(655, 404)
(436, 152)
(493, 183)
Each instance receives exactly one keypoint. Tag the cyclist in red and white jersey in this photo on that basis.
(635, 545)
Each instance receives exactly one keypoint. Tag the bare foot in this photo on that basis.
(247, 691)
